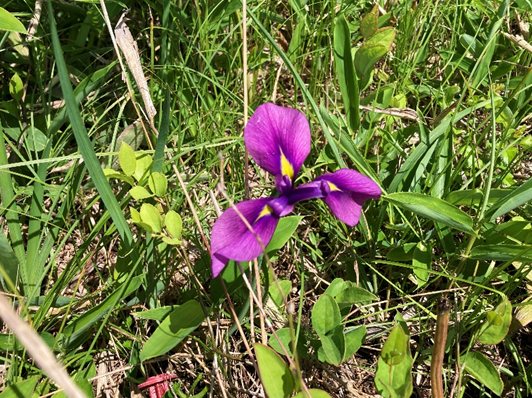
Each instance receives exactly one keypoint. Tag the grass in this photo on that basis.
(96, 286)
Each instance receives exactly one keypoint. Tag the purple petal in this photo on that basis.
(348, 191)
(232, 240)
(278, 139)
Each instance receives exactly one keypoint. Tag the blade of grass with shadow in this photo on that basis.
(93, 166)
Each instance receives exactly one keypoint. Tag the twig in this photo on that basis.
(438, 351)
(38, 350)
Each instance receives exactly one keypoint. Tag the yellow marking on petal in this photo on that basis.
(267, 210)
(333, 187)
(286, 167)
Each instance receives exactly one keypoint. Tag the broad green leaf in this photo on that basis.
(422, 263)
(383, 37)
(404, 252)
(75, 332)
(471, 44)
(174, 328)
(283, 232)
(172, 241)
(276, 377)
(481, 368)
(150, 215)
(325, 315)
(336, 286)
(110, 173)
(393, 377)
(370, 22)
(333, 344)
(156, 314)
(173, 224)
(20, 389)
(127, 159)
(516, 198)
(36, 139)
(314, 393)
(139, 193)
(352, 294)
(346, 72)
(10, 23)
(354, 340)
(142, 166)
(276, 295)
(158, 184)
(469, 197)
(497, 323)
(500, 252)
(434, 209)
(135, 215)
(9, 264)
(394, 350)
(16, 87)
(365, 58)
(284, 335)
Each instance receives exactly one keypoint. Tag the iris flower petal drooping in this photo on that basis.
(344, 191)
(278, 139)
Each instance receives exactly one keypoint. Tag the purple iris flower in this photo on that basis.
(278, 139)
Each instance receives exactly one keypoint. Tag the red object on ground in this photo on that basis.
(157, 385)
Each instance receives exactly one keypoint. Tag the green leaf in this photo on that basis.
(394, 349)
(158, 184)
(285, 336)
(333, 344)
(346, 72)
(110, 173)
(501, 252)
(277, 297)
(172, 241)
(139, 193)
(135, 215)
(404, 252)
(150, 215)
(481, 368)
(143, 163)
(383, 37)
(325, 315)
(283, 232)
(10, 23)
(393, 377)
(175, 327)
(433, 208)
(9, 264)
(365, 59)
(352, 294)
(354, 340)
(469, 197)
(370, 22)
(127, 159)
(516, 198)
(16, 87)
(156, 314)
(173, 224)
(36, 139)
(497, 323)
(276, 377)
(314, 393)
(22, 388)
(422, 263)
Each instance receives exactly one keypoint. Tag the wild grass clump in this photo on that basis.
(123, 140)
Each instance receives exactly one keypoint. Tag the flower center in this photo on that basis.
(286, 167)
